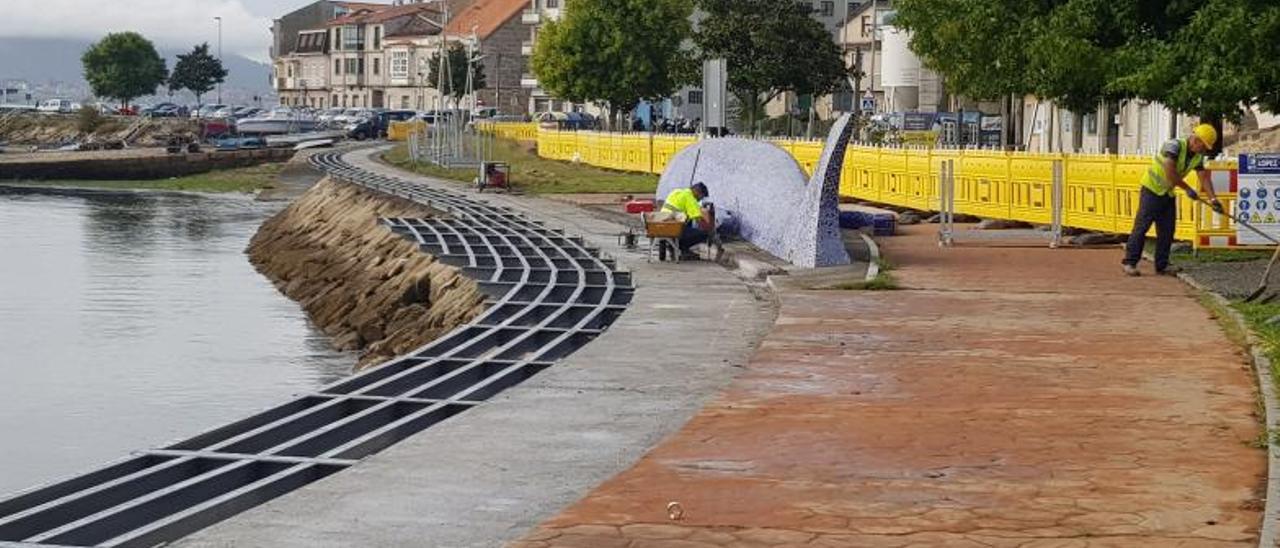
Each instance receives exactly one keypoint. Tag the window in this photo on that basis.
(351, 66)
(553, 4)
(400, 64)
(352, 38)
(337, 66)
(337, 38)
(852, 7)
(404, 102)
(828, 8)
(866, 26)
(695, 97)
(334, 102)
(360, 66)
(289, 71)
(1091, 123)
(377, 39)
(376, 64)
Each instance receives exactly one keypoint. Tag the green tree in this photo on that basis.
(456, 84)
(771, 47)
(1224, 58)
(197, 71)
(123, 66)
(616, 52)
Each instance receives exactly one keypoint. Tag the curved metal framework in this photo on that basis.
(548, 294)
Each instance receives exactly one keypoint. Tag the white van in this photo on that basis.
(54, 106)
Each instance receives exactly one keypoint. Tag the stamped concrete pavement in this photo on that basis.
(1007, 397)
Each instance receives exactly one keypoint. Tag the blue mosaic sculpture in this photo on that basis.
(766, 191)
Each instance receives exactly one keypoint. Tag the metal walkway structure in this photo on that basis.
(548, 294)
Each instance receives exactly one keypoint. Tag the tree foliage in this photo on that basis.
(123, 66)
(771, 47)
(456, 84)
(1202, 57)
(617, 52)
(197, 71)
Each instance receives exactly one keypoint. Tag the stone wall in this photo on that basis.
(364, 286)
(133, 164)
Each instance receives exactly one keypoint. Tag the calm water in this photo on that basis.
(128, 320)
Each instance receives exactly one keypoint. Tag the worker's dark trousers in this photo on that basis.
(1162, 211)
(691, 236)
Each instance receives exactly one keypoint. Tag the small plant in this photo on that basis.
(89, 119)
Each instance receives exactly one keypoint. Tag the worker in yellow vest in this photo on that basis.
(1168, 168)
(699, 220)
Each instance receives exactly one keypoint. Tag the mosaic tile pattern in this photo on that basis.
(765, 189)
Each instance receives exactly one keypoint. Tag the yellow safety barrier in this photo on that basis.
(1100, 192)
(399, 131)
(516, 131)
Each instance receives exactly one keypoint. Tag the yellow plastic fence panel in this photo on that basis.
(894, 183)
(861, 177)
(1089, 193)
(922, 182)
(665, 147)
(1030, 187)
(983, 183)
(399, 131)
(518, 131)
(1128, 172)
(807, 154)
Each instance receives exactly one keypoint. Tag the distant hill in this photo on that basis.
(44, 60)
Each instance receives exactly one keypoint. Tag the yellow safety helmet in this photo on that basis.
(1207, 134)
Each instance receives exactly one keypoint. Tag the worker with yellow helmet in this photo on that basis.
(1168, 169)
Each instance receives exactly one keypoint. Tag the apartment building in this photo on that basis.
(341, 54)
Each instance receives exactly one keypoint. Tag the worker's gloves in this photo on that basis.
(1193, 195)
(1217, 207)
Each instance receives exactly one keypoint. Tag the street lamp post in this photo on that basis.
(219, 20)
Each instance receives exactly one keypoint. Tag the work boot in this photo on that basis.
(1171, 270)
(1131, 270)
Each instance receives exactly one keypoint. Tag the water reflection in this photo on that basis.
(132, 319)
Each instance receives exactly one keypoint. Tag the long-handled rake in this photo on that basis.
(1266, 274)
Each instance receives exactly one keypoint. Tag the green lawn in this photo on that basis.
(536, 175)
(244, 179)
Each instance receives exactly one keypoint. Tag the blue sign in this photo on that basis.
(1244, 192)
(1259, 163)
(1243, 205)
(1262, 193)
(868, 104)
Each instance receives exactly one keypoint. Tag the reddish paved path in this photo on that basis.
(1011, 397)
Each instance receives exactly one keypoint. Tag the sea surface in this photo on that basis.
(132, 319)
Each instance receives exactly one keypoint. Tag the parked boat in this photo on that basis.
(279, 120)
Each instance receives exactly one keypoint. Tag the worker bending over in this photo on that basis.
(1168, 169)
(699, 221)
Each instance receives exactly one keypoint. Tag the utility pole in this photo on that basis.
(219, 20)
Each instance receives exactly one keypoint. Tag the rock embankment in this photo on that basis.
(364, 286)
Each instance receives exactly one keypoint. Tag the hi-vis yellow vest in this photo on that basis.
(1154, 179)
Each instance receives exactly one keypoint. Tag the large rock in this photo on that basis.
(362, 285)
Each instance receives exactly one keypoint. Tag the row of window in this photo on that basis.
(356, 66)
(351, 38)
(827, 8)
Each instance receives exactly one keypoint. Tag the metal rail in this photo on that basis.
(548, 294)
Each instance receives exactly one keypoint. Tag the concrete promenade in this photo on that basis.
(489, 475)
(1007, 398)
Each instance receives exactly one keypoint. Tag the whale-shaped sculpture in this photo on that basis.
(794, 218)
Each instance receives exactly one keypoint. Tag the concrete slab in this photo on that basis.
(489, 475)
(1006, 398)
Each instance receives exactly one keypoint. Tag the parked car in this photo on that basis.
(163, 110)
(206, 111)
(57, 106)
(376, 126)
(245, 112)
(328, 116)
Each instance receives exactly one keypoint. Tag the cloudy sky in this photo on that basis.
(177, 24)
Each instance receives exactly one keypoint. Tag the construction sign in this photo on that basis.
(1258, 198)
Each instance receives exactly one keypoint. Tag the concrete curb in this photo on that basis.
(1262, 368)
(873, 267)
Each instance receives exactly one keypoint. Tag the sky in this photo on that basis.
(177, 24)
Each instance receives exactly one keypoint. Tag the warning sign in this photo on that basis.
(1258, 198)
